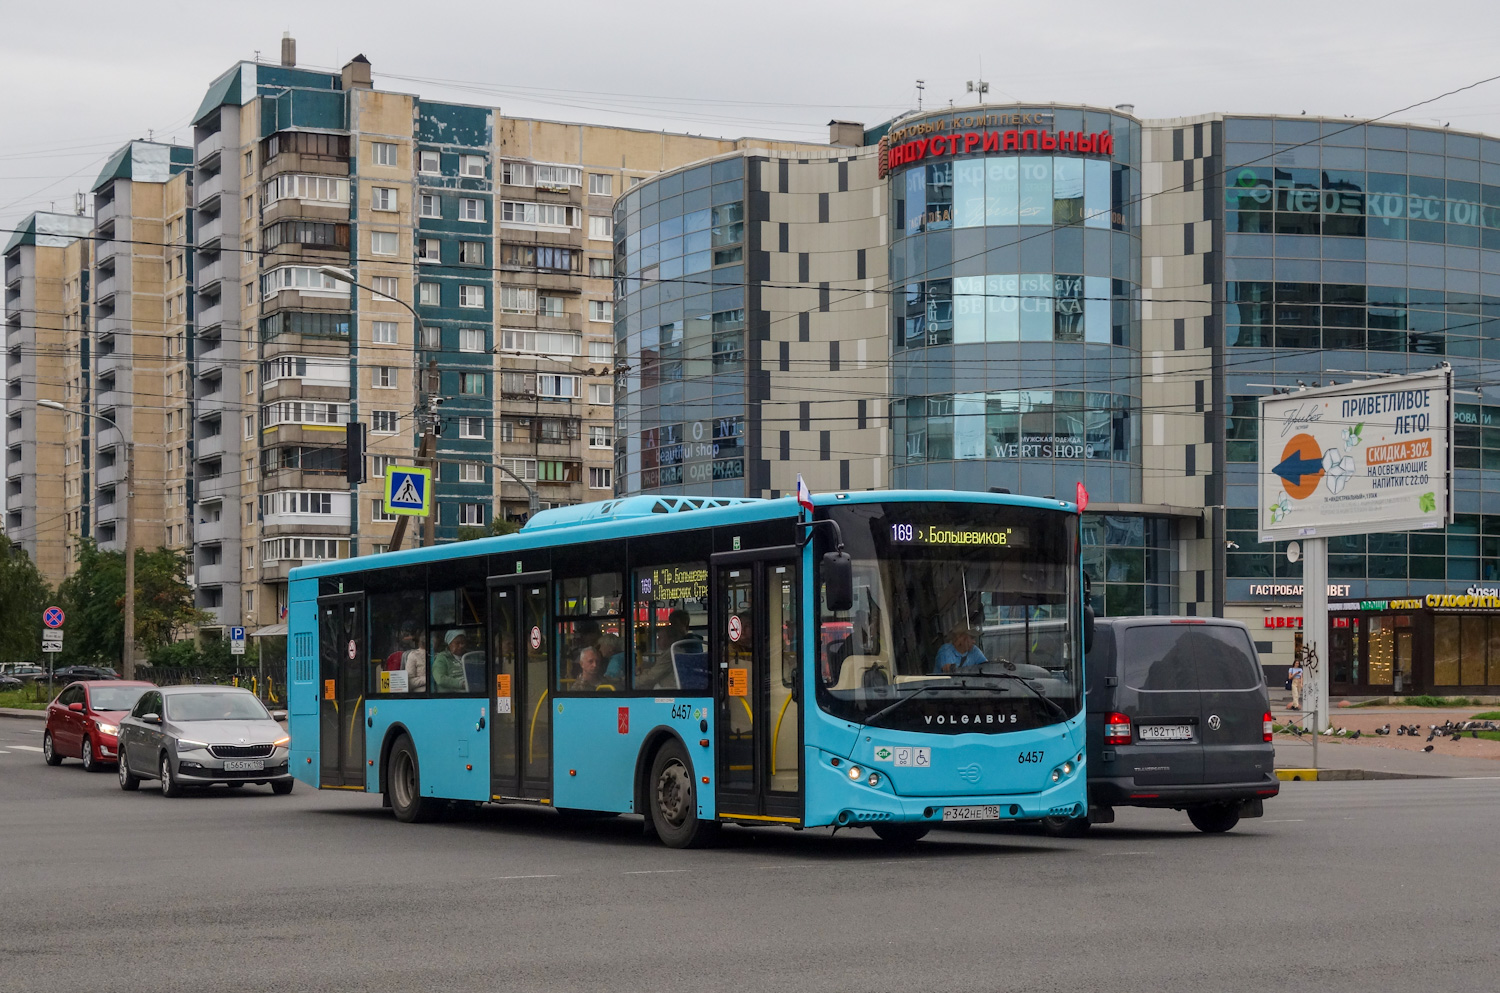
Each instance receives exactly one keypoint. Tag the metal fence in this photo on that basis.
(267, 682)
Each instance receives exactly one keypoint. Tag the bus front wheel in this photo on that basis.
(404, 785)
(900, 835)
(674, 799)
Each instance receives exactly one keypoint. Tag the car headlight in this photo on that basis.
(188, 744)
(107, 728)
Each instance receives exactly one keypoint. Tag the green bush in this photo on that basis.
(1438, 701)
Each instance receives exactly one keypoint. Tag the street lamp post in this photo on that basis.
(127, 660)
(427, 452)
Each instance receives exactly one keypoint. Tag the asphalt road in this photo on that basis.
(1342, 886)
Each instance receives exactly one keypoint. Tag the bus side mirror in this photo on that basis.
(1088, 629)
(838, 581)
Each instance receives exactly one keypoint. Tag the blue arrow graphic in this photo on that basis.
(1294, 467)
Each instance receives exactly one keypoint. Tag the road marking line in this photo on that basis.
(544, 876)
(1130, 853)
(651, 872)
(3, 752)
(29, 748)
(1285, 820)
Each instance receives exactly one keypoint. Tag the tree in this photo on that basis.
(94, 598)
(25, 595)
(495, 527)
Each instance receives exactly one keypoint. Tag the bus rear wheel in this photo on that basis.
(673, 797)
(404, 784)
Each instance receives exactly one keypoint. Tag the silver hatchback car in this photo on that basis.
(201, 735)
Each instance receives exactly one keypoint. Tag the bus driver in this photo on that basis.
(960, 650)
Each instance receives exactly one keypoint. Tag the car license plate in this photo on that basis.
(1164, 732)
(244, 765)
(990, 812)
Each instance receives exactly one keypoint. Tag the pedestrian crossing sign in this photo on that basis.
(408, 491)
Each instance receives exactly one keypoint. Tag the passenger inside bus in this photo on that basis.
(448, 665)
(590, 670)
(407, 641)
(613, 654)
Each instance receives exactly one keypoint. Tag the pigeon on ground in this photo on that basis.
(1430, 737)
(1427, 749)
(1384, 730)
(1354, 735)
(1400, 730)
(1457, 736)
(1473, 734)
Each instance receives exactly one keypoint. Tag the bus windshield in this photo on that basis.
(965, 618)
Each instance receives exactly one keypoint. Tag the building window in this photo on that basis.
(249, 426)
(599, 478)
(378, 513)
(430, 294)
(303, 278)
(471, 383)
(541, 215)
(601, 436)
(384, 153)
(383, 377)
(431, 162)
(470, 514)
(382, 242)
(470, 209)
(601, 351)
(291, 186)
(471, 427)
(634, 181)
(383, 422)
(517, 300)
(557, 387)
(471, 252)
(517, 174)
(470, 472)
(601, 227)
(432, 339)
(548, 306)
(601, 310)
(471, 296)
(471, 339)
(601, 184)
(558, 177)
(601, 393)
(431, 205)
(507, 430)
(249, 163)
(303, 412)
(601, 268)
(385, 286)
(382, 198)
(379, 464)
(471, 165)
(524, 469)
(558, 471)
(430, 250)
(383, 332)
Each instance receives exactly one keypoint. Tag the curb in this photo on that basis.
(1344, 775)
(35, 715)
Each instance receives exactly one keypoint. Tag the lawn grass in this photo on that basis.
(1488, 715)
(1437, 701)
(26, 698)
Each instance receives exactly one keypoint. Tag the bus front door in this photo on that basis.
(755, 646)
(521, 727)
(341, 656)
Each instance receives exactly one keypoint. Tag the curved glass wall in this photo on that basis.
(1353, 249)
(1016, 301)
(680, 328)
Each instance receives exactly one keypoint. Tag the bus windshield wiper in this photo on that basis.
(1051, 704)
(912, 696)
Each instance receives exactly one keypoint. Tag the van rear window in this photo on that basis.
(1189, 657)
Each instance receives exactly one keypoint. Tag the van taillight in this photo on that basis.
(1265, 727)
(1117, 730)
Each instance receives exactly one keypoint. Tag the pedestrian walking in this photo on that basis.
(1294, 683)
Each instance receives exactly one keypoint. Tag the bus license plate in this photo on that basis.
(1164, 732)
(244, 765)
(989, 812)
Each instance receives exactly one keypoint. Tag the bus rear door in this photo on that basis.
(756, 647)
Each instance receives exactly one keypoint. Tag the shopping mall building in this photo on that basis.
(1030, 297)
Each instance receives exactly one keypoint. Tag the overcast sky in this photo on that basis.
(79, 79)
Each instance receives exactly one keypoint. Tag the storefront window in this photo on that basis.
(1382, 647)
(1447, 649)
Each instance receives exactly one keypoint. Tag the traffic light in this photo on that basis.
(354, 447)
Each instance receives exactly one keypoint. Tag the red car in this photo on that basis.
(83, 720)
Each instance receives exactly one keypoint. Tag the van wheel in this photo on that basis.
(1066, 827)
(674, 800)
(404, 779)
(900, 835)
(1214, 819)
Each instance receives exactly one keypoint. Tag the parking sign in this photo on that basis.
(237, 641)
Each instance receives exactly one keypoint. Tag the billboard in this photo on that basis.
(1359, 458)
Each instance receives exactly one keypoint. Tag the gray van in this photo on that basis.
(1178, 717)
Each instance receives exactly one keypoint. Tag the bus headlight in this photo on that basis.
(1067, 768)
(874, 779)
(1056, 775)
(855, 772)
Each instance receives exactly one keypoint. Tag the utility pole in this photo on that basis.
(426, 459)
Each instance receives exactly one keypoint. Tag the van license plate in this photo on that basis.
(990, 812)
(244, 765)
(1164, 732)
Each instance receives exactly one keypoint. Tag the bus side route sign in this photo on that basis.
(408, 491)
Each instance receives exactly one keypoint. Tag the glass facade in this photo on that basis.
(680, 326)
(1015, 305)
(1129, 560)
(1353, 249)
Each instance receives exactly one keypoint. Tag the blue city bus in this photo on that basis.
(894, 660)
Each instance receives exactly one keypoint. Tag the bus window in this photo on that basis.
(590, 624)
(398, 660)
(671, 627)
(456, 640)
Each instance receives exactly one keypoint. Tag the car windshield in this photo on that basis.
(115, 697)
(214, 706)
(962, 620)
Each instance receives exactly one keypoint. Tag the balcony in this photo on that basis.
(210, 275)
(210, 231)
(210, 446)
(216, 573)
(104, 211)
(104, 286)
(211, 315)
(209, 189)
(207, 151)
(106, 252)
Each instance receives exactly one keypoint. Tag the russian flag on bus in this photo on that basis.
(804, 495)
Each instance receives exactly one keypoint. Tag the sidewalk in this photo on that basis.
(1342, 759)
(36, 715)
